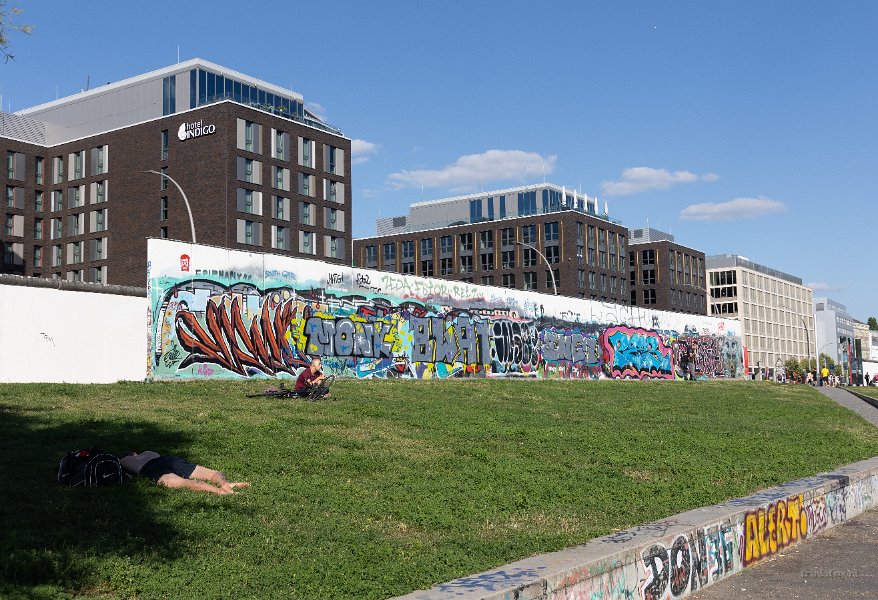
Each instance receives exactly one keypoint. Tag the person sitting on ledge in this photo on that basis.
(174, 472)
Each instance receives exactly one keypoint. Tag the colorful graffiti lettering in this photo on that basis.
(638, 353)
(773, 528)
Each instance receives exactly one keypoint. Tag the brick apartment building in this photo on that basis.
(260, 172)
(496, 238)
(665, 275)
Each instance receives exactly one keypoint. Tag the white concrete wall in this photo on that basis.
(50, 335)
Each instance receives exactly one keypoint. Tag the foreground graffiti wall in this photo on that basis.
(684, 553)
(227, 313)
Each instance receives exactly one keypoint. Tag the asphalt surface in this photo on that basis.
(841, 562)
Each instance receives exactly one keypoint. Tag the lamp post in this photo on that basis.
(182, 193)
(551, 272)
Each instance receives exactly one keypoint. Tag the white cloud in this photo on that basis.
(361, 151)
(472, 170)
(642, 179)
(317, 109)
(734, 210)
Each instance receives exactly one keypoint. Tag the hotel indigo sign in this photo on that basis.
(194, 130)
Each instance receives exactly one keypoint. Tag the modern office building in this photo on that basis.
(836, 339)
(868, 341)
(665, 275)
(528, 237)
(775, 310)
(259, 170)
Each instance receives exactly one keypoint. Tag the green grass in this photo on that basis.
(866, 390)
(391, 487)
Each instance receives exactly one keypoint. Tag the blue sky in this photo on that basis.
(743, 127)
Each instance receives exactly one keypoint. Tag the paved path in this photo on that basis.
(841, 562)
(848, 400)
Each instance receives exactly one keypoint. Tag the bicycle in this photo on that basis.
(316, 393)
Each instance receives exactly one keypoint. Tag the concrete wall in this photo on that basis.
(681, 554)
(53, 335)
(227, 313)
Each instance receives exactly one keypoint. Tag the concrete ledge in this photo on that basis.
(679, 555)
(863, 397)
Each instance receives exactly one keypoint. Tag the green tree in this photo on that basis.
(7, 25)
(792, 366)
(872, 322)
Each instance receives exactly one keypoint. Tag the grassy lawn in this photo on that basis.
(390, 487)
(866, 390)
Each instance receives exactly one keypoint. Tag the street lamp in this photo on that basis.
(182, 193)
(551, 272)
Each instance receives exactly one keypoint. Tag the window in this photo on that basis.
(38, 229)
(249, 136)
(281, 178)
(38, 202)
(529, 234)
(487, 280)
(581, 279)
(649, 296)
(249, 139)
(475, 210)
(100, 192)
(592, 280)
(163, 233)
(427, 268)
(530, 280)
(56, 229)
(408, 249)
(556, 281)
(13, 254)
(466, 242)
(280, 238)
(248, 170)
(507, 236)
(249, 232)
(281, 208)
(74, 200)
(163, 183)
(169, 95)
(77, 164)
(57, 253)
(371, 256)
(164, 144)
(97, 274)
(553, 254)
(446, 266)
(38, 257)
(551, 231)
(466, 264)
(334, 219)
(306, 185)
(408, 268)
(509, 280)
(98, 249)
(389, 255)
(306, 213)
(14, 197)
(99, 160)
(487, 261)
(647, 257)
(74, 223)
(427, 247)
(507, 259)
(486, 240)
(281, 142)
(99, 220)
(8, 228)
(334, 191)
(38, 170)
(74, 252)
(334, 247)
(14, 165)
(647, 276)
(58, 169)
(529, 257)
(306, 153)
(333, 160)
(163, 209)
(445, 244)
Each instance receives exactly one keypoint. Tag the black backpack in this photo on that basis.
(89, 468)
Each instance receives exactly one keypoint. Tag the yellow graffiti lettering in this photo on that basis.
(751, 549)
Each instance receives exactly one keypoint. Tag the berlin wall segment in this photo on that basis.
(682, 554)
(227, 313)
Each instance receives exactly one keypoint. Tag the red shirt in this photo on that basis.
(303, 381)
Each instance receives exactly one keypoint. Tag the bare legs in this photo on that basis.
(203, 480)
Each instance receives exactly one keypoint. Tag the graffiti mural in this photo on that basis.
(242, 314)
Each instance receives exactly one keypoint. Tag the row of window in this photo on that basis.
(76, 165)
(14, 225)
(250, 202)
(250, 171)
(250, 233)
(249, 139)
(77, 196)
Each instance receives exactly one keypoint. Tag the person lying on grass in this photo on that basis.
(174, 472)
(310, 378)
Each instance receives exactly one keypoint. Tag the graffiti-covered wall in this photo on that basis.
(227, 313)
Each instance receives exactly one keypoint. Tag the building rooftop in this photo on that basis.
(730, 261)
(169, 90)
(648, 234)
